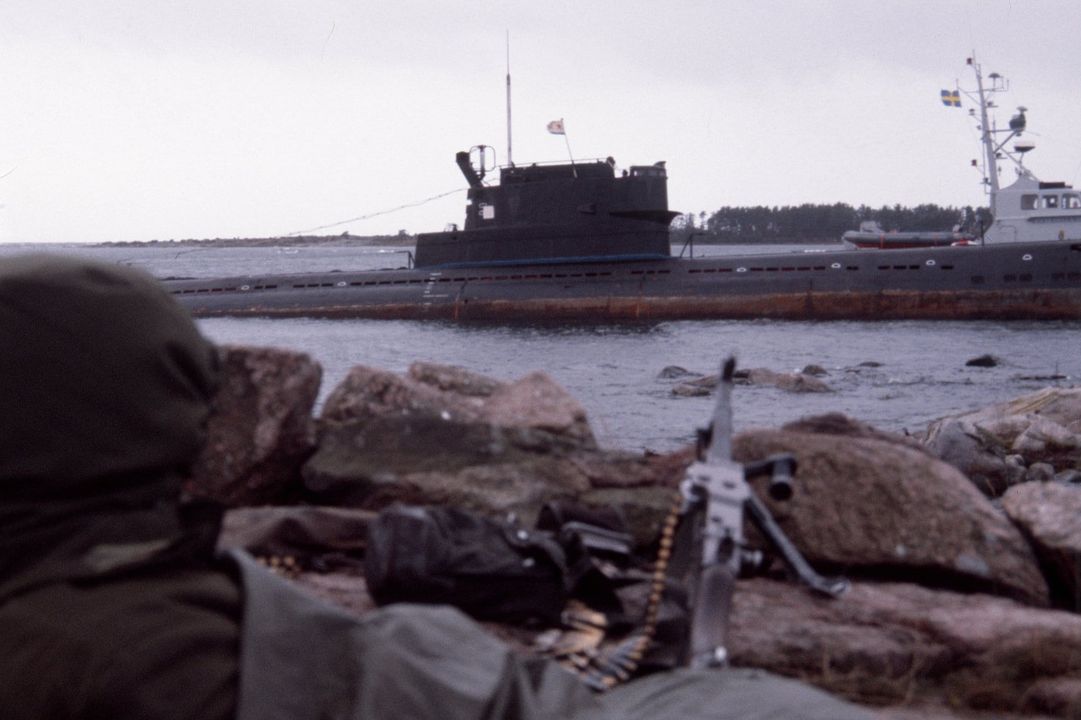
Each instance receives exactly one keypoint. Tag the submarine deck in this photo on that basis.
(1016, 281)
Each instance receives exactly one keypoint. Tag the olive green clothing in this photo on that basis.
(106, 385)
(153, 645)
(109, 604)
(728, 694)
(303, 660)
(102, 375)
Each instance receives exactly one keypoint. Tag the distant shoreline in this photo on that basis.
(343, 240)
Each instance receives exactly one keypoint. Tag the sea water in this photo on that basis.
(896, 375)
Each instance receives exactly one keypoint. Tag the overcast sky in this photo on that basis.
(145, 119)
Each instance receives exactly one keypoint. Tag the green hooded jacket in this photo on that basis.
(111, 604)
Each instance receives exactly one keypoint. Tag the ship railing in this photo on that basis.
(688, 244)
(544, 163)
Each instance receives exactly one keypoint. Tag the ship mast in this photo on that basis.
(987, 133)
(510, 158)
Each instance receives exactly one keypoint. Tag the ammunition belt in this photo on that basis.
(578, 649)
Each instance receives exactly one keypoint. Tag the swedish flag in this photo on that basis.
(951, 98)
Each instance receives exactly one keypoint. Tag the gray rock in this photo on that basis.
(1068, 477)
(814, 370)
(790, 382)
(1040, 427)
(508, 449)
(698, 387)
(449, 378)
(888, 510)
(836, 423)
(895, 643)
(673, 372)
(533, 402)
(486, 469)
(536, 402)
(960, 443)
(983, 361)
(428, 460)
(1050, 514)
(691, 390)
(261, 428)
(1040, 472)
(1016, 472)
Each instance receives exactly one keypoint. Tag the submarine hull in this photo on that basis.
(1039, 281)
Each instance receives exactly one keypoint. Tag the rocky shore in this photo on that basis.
(963, 547)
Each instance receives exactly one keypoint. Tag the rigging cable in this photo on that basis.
(375, 214)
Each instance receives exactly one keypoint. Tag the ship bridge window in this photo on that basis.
(1049, 201)
(1071, 200)
(487, 211)
(647, 171)
(1028, 202)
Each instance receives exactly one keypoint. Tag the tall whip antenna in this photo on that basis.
(510, 158)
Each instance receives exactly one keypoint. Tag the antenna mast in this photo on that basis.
(510, 158)
(987, 131)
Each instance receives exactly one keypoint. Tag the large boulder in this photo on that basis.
(877, 508)
(442, 435)
(961, 443)
(994, 446)
(533, 405)
(261, 428)
(1050, 515)
(492, 470)
(894, 643)
(429, 461)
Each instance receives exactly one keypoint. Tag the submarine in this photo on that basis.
(583, 241)
(577, 241)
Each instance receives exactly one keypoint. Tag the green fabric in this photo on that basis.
(153, 645)
(729, 694)
(102, 374)
(106, 385)
(110, 606)
(303, 660)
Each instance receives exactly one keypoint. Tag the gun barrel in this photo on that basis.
(720, 446)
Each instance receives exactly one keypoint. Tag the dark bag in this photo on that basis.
(491, 570)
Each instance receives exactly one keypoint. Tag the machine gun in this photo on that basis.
(709, 549)
(703, 550)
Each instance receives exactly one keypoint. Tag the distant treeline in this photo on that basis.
(811, 223)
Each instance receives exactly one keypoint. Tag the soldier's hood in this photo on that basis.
(106, 384)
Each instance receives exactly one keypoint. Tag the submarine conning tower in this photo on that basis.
(556, 213)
